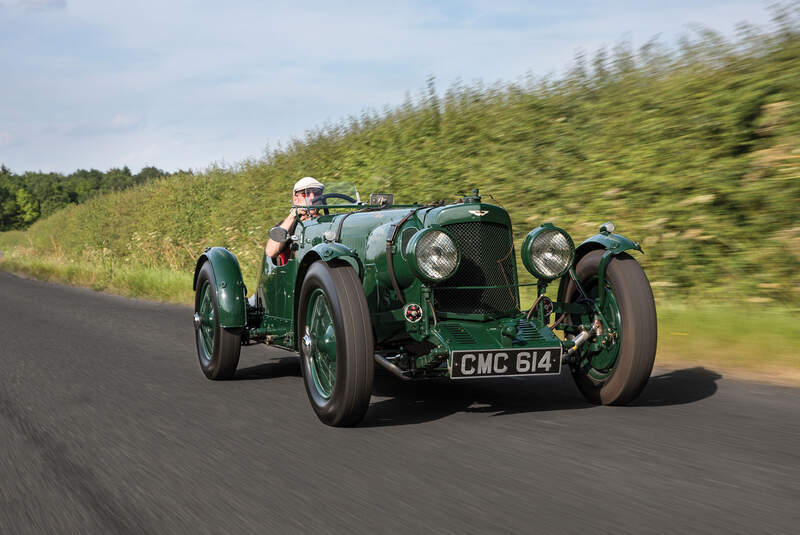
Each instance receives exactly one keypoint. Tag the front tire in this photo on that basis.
(336, 343)
(616, 373)
(217, 347)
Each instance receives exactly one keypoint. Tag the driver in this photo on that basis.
(304, 192)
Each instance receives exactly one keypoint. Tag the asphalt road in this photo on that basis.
(107, 425)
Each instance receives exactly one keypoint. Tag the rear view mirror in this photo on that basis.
(279, 234)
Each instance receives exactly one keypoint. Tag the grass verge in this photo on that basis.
(739, 340)
(158, 284)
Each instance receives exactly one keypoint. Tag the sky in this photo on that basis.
(183, 84)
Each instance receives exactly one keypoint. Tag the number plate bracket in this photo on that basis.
(510, 362)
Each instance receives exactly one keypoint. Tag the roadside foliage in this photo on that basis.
(693, 150)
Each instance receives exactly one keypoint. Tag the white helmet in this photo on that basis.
(307, 182)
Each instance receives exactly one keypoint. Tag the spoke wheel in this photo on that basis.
(322, 351)
(613, 368)
(599, 360)
(206, 314)
(336, 343)
(217, 347)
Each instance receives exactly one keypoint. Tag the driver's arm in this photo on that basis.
(273, 247)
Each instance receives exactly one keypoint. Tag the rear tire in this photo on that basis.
(336, 343)
(217, 347)
(622, 381)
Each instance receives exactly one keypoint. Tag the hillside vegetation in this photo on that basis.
(693, 150)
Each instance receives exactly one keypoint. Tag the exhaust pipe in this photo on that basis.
(397, 372)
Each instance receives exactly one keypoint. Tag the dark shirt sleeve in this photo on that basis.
(291, 229)
(285, 244)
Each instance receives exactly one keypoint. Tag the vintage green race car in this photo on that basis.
(431, 291)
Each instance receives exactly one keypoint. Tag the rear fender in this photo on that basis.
(231, 302)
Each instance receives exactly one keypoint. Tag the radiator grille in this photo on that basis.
(482, 246)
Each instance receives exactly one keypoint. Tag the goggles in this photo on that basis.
(308, 191)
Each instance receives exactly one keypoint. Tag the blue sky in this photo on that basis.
(182, 84)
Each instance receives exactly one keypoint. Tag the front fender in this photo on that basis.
(328, 251)
(230, 289)
(613, 244)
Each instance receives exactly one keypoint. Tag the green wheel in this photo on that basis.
(217, 348)
(336, 344)
(615, 372)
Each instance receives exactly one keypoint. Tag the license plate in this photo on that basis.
(505, 363)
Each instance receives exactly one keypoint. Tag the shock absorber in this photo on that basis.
(595, 330)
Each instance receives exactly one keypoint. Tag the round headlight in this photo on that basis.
(432, 254)
(548, 252)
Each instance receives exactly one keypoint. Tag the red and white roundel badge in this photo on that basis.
(413, 312)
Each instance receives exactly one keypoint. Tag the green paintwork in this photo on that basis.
(494, 334)
(330, 251)
(614, 244)
(601, 275)
(276, 289)
(358, 236)
(230, 286)
(599, 357)
(322, 359)
(606, 240)
(362, 243)
(375, 252)
(527, 243)
(459, 213)
(206, 314)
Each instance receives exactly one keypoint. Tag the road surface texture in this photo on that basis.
(107, 425)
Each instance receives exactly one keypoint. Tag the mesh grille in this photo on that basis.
(482, 245)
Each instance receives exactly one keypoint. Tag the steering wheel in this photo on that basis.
(322, 198)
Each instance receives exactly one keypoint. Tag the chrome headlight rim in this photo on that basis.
(413, 256)
(527, 252)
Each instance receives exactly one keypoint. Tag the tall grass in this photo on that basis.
(154, 283)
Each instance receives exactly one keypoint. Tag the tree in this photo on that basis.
(148, 173)
(28, 207)
(8, 209)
